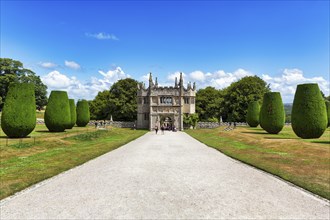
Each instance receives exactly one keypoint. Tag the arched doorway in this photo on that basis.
(167, 122)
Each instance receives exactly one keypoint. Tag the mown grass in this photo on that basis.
(40, 114)
(305, 163)
(25, 162)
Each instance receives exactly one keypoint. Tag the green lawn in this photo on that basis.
(27, 161)
(40, 114)
(305, 163)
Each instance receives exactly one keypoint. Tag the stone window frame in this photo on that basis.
(186, 100)
(166, 100)
(145, 100)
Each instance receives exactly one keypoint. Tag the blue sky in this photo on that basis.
(85, 46)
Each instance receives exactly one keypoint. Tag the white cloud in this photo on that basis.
(287, 83)
(198, 76)
(72, 65)
(47, 64)
(172, 76)
(102, 36)
(56, 80)
(144, 79)
(218, 79)
(79, 90)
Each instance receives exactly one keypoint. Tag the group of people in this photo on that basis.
(99, 124)
(229, 127)
(163, 128)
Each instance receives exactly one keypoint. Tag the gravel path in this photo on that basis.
(164, 177)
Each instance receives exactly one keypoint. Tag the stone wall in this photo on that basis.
(207, 124)
(118, 124)
(216, 124)
(122, 124)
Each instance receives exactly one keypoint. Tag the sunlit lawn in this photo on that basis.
(305, 163)
(30, 160)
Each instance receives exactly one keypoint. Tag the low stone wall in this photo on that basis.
(40, 121)
(216, 124)
(118, 124)
(207, 124)
(122, 124)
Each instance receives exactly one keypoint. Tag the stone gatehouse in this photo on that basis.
(164, 105)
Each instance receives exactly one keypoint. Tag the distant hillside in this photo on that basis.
(288, 108)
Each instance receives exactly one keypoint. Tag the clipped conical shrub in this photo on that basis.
(260, 123)
(19, 111)
(57, 114)
(327, 104)
(272, 115)
(309, 115)
(73, 113)
(252, 116)
(83, 115)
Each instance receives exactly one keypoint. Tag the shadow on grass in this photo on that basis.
(254, 132)
(51, 132)
(321, 142)
(281, 138)
(5, 137)
(256, 129)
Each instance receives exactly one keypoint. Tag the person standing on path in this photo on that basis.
(162, 128)
(156, 129)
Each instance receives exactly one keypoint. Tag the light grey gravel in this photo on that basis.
(169, 176)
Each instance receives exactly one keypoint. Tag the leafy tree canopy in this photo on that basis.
(119, 101)
(100, 107)
(209, 103)
(191, 119)
(13, 71)
(239, 94)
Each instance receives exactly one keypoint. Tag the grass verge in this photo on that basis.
(28, 161)
(305, 163)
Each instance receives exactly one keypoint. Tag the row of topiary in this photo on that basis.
(19, 112)
(61, 112)
(310, 113)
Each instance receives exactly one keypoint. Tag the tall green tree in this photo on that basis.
(123, 103)
(13, 71)
(239, 94)
(119, 101)
(209, 103)
(100, 106)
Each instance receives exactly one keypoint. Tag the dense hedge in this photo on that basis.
(272, 115)
(260, 119)
(73, 113)
(19, 111)
(83, 115)
(57, 114)
(252, 116)
(328, 112)
(309, 115)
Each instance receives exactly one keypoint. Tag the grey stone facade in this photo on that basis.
(164, 105)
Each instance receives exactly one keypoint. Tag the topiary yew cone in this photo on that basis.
(57, 114)
(272, 115)
(328, 112)
(252, 116)
(83, 115)
(309, 116)
(19, 112)
(73, 114)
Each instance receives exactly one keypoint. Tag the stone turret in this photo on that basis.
(150, 80)
(156, 83)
